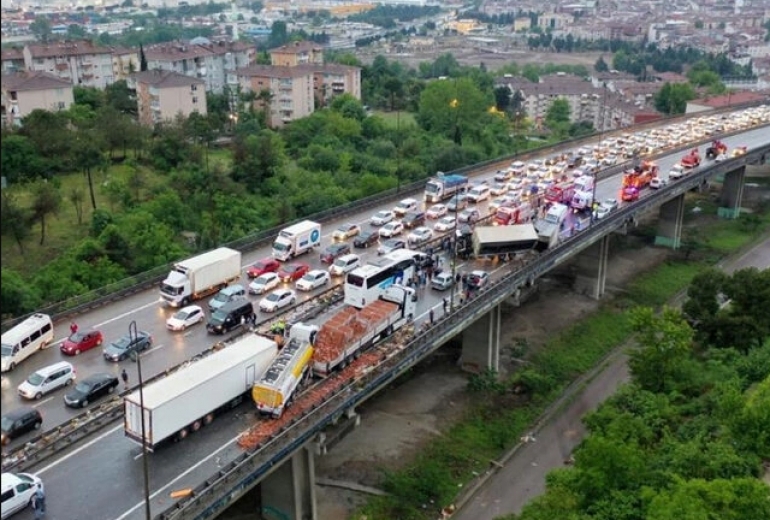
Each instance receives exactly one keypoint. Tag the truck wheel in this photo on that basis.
(196, 426)
(182, 434)
(185, 301)
(208, 419)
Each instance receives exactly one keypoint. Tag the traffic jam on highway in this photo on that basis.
(397, 268)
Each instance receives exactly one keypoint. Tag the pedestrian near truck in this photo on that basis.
(124, 377)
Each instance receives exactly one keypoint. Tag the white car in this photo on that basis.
(610, 203)
(344, 264)
(277, 299)
(18, 489)
(392, 229)
(437, 211)
(721, 157)
(478, 194)
(419, 236)
(264, 282)
(185, 317)
(499, 188)
(382, 217)
(313, 280)
(677, 172)
(658, 182)
(602, 211)
(405, 206)
(445, 224)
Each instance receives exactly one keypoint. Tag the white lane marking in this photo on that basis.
(38, 403)
(116, 318)
(78, 450)
(153, 349)
(179, 477)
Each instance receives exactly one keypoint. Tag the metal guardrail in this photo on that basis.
(233, 480)
(115, 291)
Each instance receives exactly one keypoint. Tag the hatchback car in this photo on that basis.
(657, 183)
(346, 231)
(445, 224)
(366, 238)
(333, 252)
(81, 341)
(122, 348)
(90, 389)
(47, 379)
(293, 272)
(468, 216)
(457, 203)
(405, 206)
(391, 229)
(277, 300)
(264, 283)
(344, 265)
(391, 245)
(313, 280)
(499, 188)
(185, 317)
(610, 203)
(477, 279)
(442, 281)
(382, 217)
(266, 265)
(478, 194)
(436, 211)
(226, 295)
(18, 422)
(419, 236)
(18, 490)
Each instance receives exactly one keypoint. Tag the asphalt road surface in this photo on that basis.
(523, 476)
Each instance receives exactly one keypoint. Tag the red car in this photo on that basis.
(630, 194)
(266, 265)
(81, 341)
(293, 272)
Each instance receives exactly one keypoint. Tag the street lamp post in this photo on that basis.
(145, 463)
(453, 257)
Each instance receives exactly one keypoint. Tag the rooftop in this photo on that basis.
(165, 79)
(32, 80)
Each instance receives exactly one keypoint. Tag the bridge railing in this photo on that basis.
(77, 305)
(237, 477)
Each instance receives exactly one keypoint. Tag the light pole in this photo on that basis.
(453, 260)
(145, 464)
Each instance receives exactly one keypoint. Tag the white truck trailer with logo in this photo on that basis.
(274, 392)
(200, 276)
(296, 240)
(190, 398)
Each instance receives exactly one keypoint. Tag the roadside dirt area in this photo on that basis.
(397, 424)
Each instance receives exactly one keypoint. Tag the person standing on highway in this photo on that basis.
(124, 377)
(73, 327)
(38, 504)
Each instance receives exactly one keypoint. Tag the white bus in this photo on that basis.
(25, 339)
(365, 284)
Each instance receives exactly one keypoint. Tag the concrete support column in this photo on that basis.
(592, 264)
(670, 223)
(481, 343)
(288, 493)
(732, 193)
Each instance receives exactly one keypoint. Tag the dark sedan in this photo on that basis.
(122, 348)
(90, 389)
(333, 252)
(366, 238)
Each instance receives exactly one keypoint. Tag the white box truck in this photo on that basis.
(503, 240)
(296, 240)
(549, 227)
(200, 276)
(191, 397)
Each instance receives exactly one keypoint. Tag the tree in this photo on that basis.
(601, 65)
(733, 499)
(258, 158)
(142, 59)
(17, 296)
(664, 342)
(50, 133)
(672, 98)
(41, 29)
(119, 97)
(46, 201)
(76, 197)
(453, 108)
(20, 160)
(89, 96)
(15, 220)
(557, 118)
(88, 155)
(502, 98)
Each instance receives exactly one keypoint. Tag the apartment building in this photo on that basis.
(214, 63)
(125, 62)
(162, 95)
(25, 91)
(332, 80)
(12, 60)
(80, 62)
(291, 93)
(297, 53)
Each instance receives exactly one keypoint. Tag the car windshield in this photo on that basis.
(77, 337)
(181, 315)
(221, 297)
(309, 277)
(262, 280)
(278, 246)
(6, 423)
(122, 343)
(340, 262)
(382, 214)
(218, 317)
(6, 349)
(274, 297)
(35, 379)
(83, 387)
(289, 269)
(260, 266)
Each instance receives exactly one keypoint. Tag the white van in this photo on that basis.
(47, 379)
(25, 339)
(17, 490)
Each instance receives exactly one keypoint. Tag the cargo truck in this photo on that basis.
(184, 401)
(443, 187)
(274, 391)
(200, 276)
(346, 334)
(550, 226)
(296, 240)
(518, 214)
(503, 240)
(561, 192)
(583, 198)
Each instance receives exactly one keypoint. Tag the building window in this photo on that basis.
(194, 88)
(195, 100)
(60, 105)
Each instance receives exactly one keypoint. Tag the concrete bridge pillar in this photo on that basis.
(670, 223)
(592, 264)
(288, 493)
(481, 343)
(732, 193)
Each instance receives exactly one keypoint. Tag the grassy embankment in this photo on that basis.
(451, 460)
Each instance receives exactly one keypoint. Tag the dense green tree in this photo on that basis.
(20, 159)
(119, 96)
(726, 499)
(50, 133)
(17, 296)
(46, 201)
(451, 107)
(258, 158)
(601, 65)
(92, 97)
(15, 220)
(41, 29)
(672, 98)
